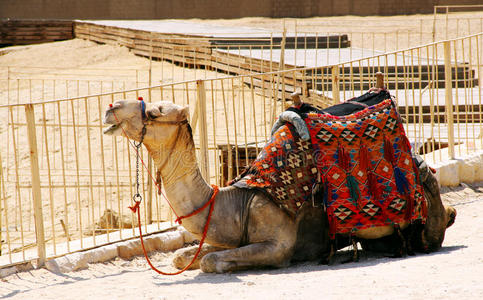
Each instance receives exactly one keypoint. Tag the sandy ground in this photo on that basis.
(453, 272)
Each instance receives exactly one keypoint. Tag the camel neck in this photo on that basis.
(188, 193)
(176, 161)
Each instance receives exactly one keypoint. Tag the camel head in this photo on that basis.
(128, 117)
(440, 216)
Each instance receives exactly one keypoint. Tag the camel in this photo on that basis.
(247, 229)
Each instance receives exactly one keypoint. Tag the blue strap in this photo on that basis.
(143, 110)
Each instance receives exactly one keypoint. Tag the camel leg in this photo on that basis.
(355, 250)
(327, 259)
(250, 256)
(183, 256)
(355, 254)
(402, 240)
(409, 240)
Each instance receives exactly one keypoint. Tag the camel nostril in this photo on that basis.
(452, 217)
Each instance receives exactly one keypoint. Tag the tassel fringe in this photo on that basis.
(388, 151)
(373, 186)
(401, 181)
(353, 189)
(344, 158)
(364, 158)
(409, 208)
(406, 144)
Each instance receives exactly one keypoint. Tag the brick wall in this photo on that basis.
(165, 9)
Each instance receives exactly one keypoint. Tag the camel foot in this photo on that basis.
(329, 259)
(402, 240)
(250, 256)
(346, 261)
(211, 264)
(182, 257)
(324, 261)
(355, 252)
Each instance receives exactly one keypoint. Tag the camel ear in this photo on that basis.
(153, 112)
(184, 114)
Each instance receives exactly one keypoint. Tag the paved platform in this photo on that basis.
(311, 58)
(221, 35)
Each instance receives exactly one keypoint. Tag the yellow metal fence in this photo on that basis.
(60, 174)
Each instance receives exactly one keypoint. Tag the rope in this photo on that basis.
(136, 209)
(136, 148)
(197, 211)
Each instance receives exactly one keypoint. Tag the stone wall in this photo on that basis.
(211, 9)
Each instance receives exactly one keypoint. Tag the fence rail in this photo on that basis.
(59, 171)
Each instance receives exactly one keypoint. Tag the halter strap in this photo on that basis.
(185, 121)
(143, 108)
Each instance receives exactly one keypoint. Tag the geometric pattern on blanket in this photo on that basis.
(364, 163)
(369, 175)
(284, 169)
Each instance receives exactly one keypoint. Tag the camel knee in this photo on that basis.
(183, 258)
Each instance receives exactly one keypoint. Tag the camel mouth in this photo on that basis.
(111, 130)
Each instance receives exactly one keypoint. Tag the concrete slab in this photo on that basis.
(81, 244)
(311, 58)
(197, 29)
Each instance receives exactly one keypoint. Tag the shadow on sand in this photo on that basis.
(367, 259)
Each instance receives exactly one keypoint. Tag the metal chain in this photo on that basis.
(137, 197)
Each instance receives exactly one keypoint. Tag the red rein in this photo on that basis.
(135, 209)
(211, 202)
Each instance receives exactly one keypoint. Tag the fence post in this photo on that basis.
(149, 203)
(449, 97)
(36, 193)
(1, 199)
(335, 84)
(203, 129)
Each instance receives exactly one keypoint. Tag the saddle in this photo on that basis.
(361, 161)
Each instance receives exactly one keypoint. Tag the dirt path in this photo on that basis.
(454, 271)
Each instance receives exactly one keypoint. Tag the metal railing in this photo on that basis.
(309, 43)
(60, 173)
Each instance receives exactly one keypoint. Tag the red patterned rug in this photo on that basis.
(363, 162)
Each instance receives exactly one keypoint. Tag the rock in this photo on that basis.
(67, 263)
(469, 169)
(4, 272)
(448, 173)
(168, 241)
(111, 220)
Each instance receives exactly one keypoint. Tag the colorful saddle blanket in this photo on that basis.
(285, 169)
(363, 162)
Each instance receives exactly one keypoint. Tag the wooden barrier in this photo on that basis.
(24, 32)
